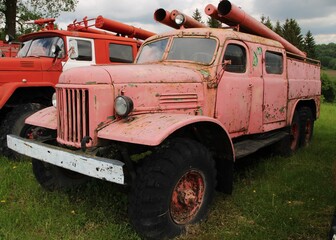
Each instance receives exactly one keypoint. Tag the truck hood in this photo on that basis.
(25, 64)
(130, 73)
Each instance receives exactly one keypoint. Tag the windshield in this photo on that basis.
(200, 50)
(41, 47)
(153, 52)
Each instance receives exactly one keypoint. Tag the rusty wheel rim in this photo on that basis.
(32, 132)
(294, 136)
(187, 197)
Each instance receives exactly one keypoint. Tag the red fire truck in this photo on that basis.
(27, 81)
(171, 125)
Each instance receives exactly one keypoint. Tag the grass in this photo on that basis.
(274, 198)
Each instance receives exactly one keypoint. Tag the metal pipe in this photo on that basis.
(163, 16)
(121, 28)
(188, 22)
(232, 15)
(168, 18)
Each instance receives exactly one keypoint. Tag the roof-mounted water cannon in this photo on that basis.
(176, 19)
(230, 14)
(121, 28)
(42, 21)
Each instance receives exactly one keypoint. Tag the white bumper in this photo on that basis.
(97, 167)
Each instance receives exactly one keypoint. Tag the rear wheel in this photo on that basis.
(14, 123)
(291, 143)
(295, 133)
(173, 188)
(307, 126)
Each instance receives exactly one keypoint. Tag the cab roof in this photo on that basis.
(221, 33)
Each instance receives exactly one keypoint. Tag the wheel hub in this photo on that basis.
(187, 197)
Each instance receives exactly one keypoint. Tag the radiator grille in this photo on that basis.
(73, 115)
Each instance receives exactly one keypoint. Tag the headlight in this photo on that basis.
(123, 105)
(179, 19)
(54, 100)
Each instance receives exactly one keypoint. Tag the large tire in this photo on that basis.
(173, 188)
(291, 143)
(52, 178)
(295, 133)
(307, 126)
(14, 123)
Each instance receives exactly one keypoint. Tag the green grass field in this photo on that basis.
(274, 198)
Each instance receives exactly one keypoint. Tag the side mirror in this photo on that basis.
(73, 49)
(55, 49)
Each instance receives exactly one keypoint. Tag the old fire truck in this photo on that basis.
(171, 125)
(28, 81)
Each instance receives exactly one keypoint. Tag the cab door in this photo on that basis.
(234, 91)
(80, 52)
(275, 88)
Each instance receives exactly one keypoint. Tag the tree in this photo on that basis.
(18, 11)
(267, 22)
(328, 88)
(309, 45)
(197, 15)
(278, 29)
(213, 23)
(292, 33)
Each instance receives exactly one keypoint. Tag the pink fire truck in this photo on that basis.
(171, 125)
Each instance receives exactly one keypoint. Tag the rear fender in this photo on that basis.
(46, 118)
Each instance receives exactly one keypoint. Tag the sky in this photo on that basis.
(317, 16)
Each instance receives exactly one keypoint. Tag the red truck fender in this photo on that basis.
(153, 129)
(46, 118)
(8, 89)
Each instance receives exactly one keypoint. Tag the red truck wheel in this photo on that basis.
(295, 132)
(173, 188)
(307, 126)
(14, 124)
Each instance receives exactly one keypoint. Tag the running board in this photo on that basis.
(246, 147)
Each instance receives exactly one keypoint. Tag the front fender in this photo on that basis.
(150, 129)
(46, 118)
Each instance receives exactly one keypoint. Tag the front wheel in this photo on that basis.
(173, 188)
(14, 123)
(52, 177)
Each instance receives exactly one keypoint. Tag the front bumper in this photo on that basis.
(97, 167)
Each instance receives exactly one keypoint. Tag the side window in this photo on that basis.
(235, 56)
(84, 50)
(273, 62)
(121, 53)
